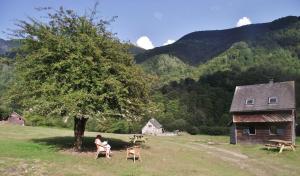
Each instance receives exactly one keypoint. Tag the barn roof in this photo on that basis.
(266, 117)
(155, 123)
(284, 91)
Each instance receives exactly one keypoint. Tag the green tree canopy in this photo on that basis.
(73, 67)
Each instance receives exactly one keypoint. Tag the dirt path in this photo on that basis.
(253, 166)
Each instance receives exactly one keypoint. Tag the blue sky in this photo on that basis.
(154, 22)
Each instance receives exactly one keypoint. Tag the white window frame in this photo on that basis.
(269, 100)
(250, 99)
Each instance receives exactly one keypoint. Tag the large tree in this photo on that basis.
(73, 67)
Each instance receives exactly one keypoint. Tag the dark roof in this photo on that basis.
(155, 123)
(266, 117)
(284, 91)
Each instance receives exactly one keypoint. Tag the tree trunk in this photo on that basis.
(79, 127)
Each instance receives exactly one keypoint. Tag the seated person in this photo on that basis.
(102, 146)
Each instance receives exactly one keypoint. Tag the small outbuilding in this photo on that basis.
(153, 127)
(16, 119)
(263, 112)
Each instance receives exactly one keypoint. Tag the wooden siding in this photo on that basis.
(262, 132)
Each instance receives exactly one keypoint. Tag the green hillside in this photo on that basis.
(168, 68)
(202, 105)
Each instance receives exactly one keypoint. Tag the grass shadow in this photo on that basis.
(271, 150)
(67, 142)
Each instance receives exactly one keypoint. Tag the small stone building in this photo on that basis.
(263, 112)
(153, 127)
(16, 119)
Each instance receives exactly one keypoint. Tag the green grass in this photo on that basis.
(47, 151)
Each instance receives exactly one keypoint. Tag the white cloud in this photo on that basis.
(158, 15)
(243, 21)
(168, 42)
(144, 42)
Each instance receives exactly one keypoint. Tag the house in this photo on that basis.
(263, 112)
(153, 127)
(16, 119)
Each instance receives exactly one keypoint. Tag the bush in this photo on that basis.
(214, 130)
(193, 130)
(4, 113)
(178, 124)
(208, 130)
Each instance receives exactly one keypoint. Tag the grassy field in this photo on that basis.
(47, 151)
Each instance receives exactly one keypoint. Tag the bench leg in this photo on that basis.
(97, 154)
(293, 148)
(281, 148)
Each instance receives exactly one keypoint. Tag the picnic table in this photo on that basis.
(280, 144)
(138, 138)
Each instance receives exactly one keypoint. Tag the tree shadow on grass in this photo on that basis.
(67, 143)
(270, 150)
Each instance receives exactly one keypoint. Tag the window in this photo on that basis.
(246, 131)
(251, 131)
(149, 126)
(249, 101)
(273, 100)
(274, 130)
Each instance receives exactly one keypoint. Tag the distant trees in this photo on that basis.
(6, 75)
(72, 67)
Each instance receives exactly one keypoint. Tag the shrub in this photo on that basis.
(213, 130)
(193, 130)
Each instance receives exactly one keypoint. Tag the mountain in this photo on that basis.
(135, 50)
(198, 47)
(214, 63)
(6, 46)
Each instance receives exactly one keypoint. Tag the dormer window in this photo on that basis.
(249, 101)
(273, 100)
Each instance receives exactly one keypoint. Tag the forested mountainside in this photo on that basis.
(198, 47)
(200, 102)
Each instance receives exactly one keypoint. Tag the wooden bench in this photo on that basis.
(134, 152)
